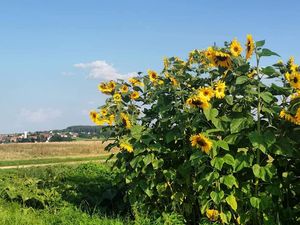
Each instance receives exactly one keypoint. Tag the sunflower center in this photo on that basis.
(295, 80)
(201, 142)
(222, 58)
(236, 49)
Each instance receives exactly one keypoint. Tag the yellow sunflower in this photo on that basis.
(294, 80)
(235, 48)
(94, 116)
(198, 101)
(111, 120)
(135, 95)
(221, 59)
(117, 97)
(136, 82)
(173, 80)
(200, 141)
(220, 89)
(111, 85)
(103, 111)
(128, 147)
(125, 120)
(153, 76)
(249, 46)
(212, 214)
(124, 88)
(104, 88)
(206, 92)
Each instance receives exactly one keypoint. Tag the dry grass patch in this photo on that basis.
(54, 149)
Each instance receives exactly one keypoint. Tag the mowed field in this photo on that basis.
(55, 152)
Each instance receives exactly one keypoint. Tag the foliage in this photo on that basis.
(215, 136)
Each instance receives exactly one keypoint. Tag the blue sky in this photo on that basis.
(53, 53)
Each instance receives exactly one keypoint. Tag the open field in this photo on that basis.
(24, 151)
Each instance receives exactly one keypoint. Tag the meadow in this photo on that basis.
(83, 192)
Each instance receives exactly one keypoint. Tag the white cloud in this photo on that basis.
(40, 115)
(100, 69)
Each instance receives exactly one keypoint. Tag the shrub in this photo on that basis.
(216, 136)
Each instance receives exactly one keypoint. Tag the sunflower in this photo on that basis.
(212, 214)
(252, 73)
(294, 80)
(103, 111)
(111, 120)
(206, 92)
(136, 82)
(173, 81)
(153, 76)
(125, 120)
(200, 141)
(135, 95)
(288, 117)
(128, 147)
(117, 98)
(209, 53)
(94, 116)
(111, 85)
(221, 59)
(249, 46)
(292, 67)
(220, 87)
(198, 101)
(235, 48)
(107, 88)
(124, 88)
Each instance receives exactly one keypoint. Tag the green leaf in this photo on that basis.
(241, 80)
(223, 218)
(269, 70)
(229, 99)
(217, 196)
(137, 131)
(267, 96)
(267, 52)
(260, 43)
(232, 202)
(223, 144)
(255, 202)
(238, 124)
(231, 138)
(259, 172)
(257, 141)
(228, 159)
(269, 138)
(229, 181)
(217, 163)
(210, 113)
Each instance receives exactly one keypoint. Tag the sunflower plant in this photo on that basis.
(215, 137)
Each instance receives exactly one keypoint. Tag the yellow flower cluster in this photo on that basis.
(201, 141)
(136, 82)
(102, 118)
(125, 145)
(125, 120)
(205, 94)
(288, 117)
(212, 214)
(154, 78)
(107, 88)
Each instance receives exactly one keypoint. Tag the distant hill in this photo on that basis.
(83, 129)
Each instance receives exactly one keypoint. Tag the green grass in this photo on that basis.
(51, 160)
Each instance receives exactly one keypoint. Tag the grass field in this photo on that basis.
(23, 151)
(82, 193)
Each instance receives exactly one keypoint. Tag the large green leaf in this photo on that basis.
(260, 43)
(228, 159)
(217, 163)
(241, 80)
(137, 131)
(229, 181)
(223, 144)
(232, 202)
(267, 96)
(259, 172)
(217, 196)
(267, 52)
(238, 124)
(255, 202)
(257, 141)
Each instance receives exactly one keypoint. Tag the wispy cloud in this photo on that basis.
(102, 70)
(40, 115)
